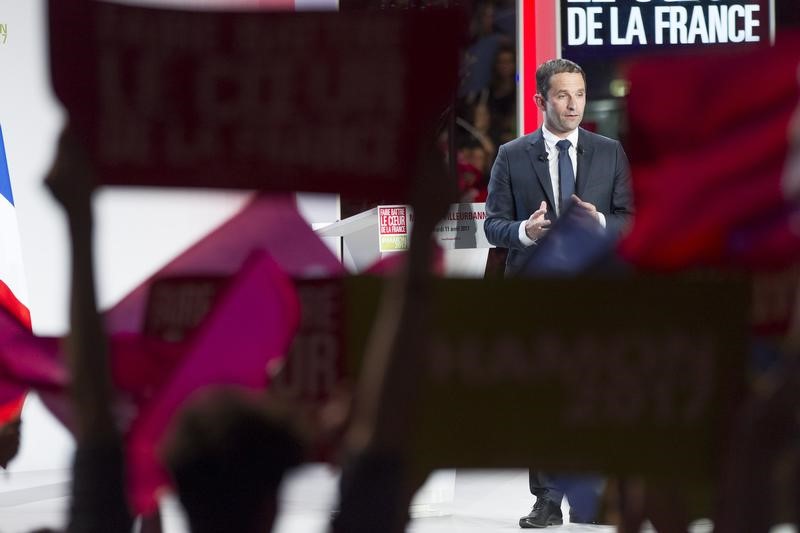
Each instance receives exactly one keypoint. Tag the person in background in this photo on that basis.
(228, 454)
(501, 100)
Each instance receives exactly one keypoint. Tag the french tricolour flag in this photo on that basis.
(13, 291)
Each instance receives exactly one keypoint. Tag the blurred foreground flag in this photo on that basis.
(576, 244)
(13, 293)
(714, 143)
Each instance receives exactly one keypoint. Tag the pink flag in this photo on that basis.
(27, 361)
(250, 326)
(252, 323)
(268, 222)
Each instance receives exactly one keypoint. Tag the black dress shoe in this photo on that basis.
(545, 513)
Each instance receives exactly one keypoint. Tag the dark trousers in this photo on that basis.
(583, 492)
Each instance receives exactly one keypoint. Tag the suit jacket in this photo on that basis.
(520, 181)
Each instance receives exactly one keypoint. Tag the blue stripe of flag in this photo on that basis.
(5, 180)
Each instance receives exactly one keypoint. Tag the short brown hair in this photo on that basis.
(548, 69)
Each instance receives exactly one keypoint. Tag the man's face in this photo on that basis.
(566, 99)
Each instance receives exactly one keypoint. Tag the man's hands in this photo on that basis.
(590, 208)
(536, 225)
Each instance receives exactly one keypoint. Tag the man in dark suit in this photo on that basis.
(526, 189)
(534, 179)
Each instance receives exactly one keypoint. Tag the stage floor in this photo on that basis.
(463, 501)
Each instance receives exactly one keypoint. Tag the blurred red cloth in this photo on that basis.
(710, 137)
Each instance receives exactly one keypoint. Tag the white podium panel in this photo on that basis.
(460, 234)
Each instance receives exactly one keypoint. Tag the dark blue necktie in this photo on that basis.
(566, 176)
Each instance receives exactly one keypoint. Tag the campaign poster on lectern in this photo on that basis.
(394, 227)
(461, 227)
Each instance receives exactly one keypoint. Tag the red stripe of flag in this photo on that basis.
(9, 302)
(11, 410)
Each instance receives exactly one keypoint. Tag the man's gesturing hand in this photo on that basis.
(536, 225)
(590, 208)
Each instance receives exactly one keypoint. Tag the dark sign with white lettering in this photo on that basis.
(639, 375)
(634, 376)
(177, 305)
(280, 101)
(593, 29)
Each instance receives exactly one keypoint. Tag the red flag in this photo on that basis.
(710, 137)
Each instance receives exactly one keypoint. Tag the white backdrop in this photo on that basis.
(137, 231)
